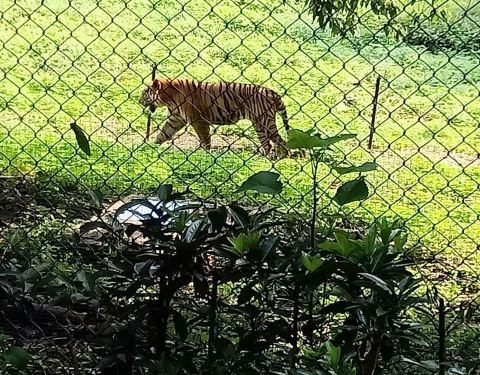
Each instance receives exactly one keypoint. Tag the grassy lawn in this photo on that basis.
(88, 63)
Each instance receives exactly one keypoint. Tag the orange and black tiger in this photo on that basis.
(202, 104)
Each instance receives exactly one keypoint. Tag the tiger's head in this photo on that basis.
(150, 97)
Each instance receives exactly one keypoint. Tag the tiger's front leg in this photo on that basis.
(170, 128)
(203, 131)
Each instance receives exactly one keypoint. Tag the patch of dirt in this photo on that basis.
(453, 159)
(186, 140)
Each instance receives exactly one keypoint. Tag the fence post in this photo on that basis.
(296, 308)
(213, 315)
(441, 336)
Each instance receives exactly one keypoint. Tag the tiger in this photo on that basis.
(202, 104)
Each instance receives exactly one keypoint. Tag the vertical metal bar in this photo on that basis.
(374, 113)
(441, 336)
(213, 316)
(296, 308)
(149, 119)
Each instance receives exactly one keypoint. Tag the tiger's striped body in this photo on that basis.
(202, 104)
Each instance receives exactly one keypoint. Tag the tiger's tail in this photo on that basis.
(283, 113)
(280, 108)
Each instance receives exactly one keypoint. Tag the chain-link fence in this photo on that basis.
(88, 61)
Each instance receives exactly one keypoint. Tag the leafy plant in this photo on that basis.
(376, 294)
(342, 16)
(328, 359)
(351, 191)
(12, 356)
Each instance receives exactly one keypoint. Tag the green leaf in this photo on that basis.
(263, 182)
(311, 263)
(376, 280)
(141, 268)
(4, 338)
(217, 218)
(181, 325)
(239, 215)
(365, 167)
(246, 294)
(164, 192)
(429, 365)
(193, 230)
(82, 139)
(267, 246)
(97, 197)
(181, 221)
(325, 142)
(17, 357)
(245, 242)
(33, 273)
(87, 280)
(347, 246)
(370, 238)
(334, 353)
(298, 139)
(351, 191)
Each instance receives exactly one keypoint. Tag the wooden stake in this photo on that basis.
(374, 113)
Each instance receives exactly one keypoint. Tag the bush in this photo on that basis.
(198, 288)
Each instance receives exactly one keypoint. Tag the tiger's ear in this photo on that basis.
(156, 84)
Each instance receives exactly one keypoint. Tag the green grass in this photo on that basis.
(89, 62)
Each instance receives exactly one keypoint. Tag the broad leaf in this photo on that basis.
(181, 325)
(17, 357)
(164, 192)
(87, 280)
(325, 142)
(142, 268)
(365, 167)
(311, 263)
(4, 338)
(246, 294)
(97, 197)
(267, 246)
(193, 230)
(351, 191)
(217, 218)
(245, 242)
(82, 139)
(263, 182)
(298, 139)
(376, 280)
(334, 353)
(429, 365)
(239, 215)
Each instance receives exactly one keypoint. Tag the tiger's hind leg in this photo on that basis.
(170, 128)
(269, 129)
(203, 131)
(263, 135)
(281, 149)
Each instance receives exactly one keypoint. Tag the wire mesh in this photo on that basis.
(88, 61)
